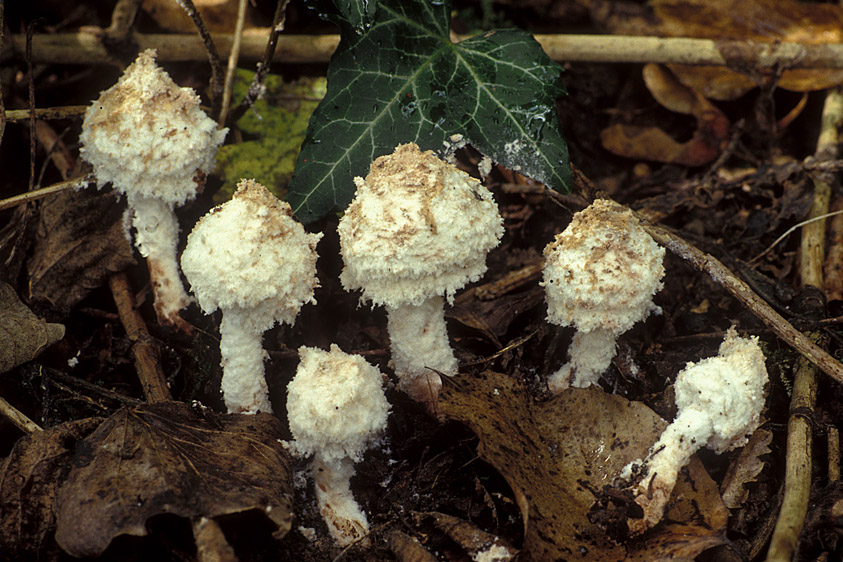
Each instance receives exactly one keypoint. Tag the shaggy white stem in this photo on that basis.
(419, 342)
(243, 384)
(346, 521)
(156, 237)
(672, 451)
(590, 355)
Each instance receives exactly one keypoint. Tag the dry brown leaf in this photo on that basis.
(29, 481)
(756, 20)
(555, 454)
(475, 541)
(23, 336)
(745, 468)
(80, 241)
(652, 143)
(219, 15)
(170, 458)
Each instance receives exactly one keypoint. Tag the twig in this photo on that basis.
(256, 87)
(122, 19)
(216, 85)
(31, 97)
(65, 112)
(833, 454)
(84, 47)
(17, 417)
(797, 485)
(741, 291)
(2, 103)
(43, 192)
(233, 56)
(144, 349)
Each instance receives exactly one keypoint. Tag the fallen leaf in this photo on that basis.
(557, 455)
(169, 458)
(29, 480)
(745, 468)
(474, 541)
(652, 143)
(80, 241)
(755, 20)
(219, 15)
(23, 336)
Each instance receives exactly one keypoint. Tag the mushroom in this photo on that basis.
(417, 230)
(600, 275)
(252, 260)
(151, 140)
(336, 408)
(719, 402)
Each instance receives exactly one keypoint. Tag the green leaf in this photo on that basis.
(275, 127)
(402, 80)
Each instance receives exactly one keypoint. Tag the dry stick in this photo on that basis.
(233, 56)
(2, 104)
(122, 19)
(84, 47)
(17, 417)
(211, 52)
(256, 87)
(833, 454)
(44, 192)
(797, 486)
(144, 350)
(64, 112)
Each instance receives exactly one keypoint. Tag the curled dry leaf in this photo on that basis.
(23, 336)
(745, 468)
(652, 143)
(29, 480)
(80, 241)
(476, 542)
(754, 20)
(169, 458)
(558, 455)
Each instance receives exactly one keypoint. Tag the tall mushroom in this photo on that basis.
(719, 402)
(252, 260)
(417, 230)
(600, 275)
(151, 140)
(336, 408)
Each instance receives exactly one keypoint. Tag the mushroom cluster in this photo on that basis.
(251, 259)
(336, 408)
(600, 276)
(719, 402)
(416, 232)
(151, 140)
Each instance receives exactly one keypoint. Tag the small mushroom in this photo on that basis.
(600, 275)
(417, 230)
(151, 140)
(252, 260)
(719, 402)
(336, 408)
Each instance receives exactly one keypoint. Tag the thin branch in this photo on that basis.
(17, 417)
(84, 47)
(2, 104)
(44, 192)
(233, 56)
(217, 76)
(263, 67)
(122, 19)
(65, 112)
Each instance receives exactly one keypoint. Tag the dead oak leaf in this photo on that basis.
(556, 454)
(23, 336)
(169, 458)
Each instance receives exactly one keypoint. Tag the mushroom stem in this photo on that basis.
(156, 236)
(420, 348)
(346, 521)
(670, 454)
(241, 347)
(590, 355)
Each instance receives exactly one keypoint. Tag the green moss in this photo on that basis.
(273, 131)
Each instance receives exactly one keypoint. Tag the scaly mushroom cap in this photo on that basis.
(249, 253)
(335, 404)
(417, 228)
(148, 136)
(602, 271)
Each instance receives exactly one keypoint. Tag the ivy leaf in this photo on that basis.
(403, 80)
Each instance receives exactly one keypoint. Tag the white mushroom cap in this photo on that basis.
(602, 271)
(148, 136)
(335, 404)
(250, 254)
(417, 228)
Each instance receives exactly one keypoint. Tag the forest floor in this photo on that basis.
(733, 179)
